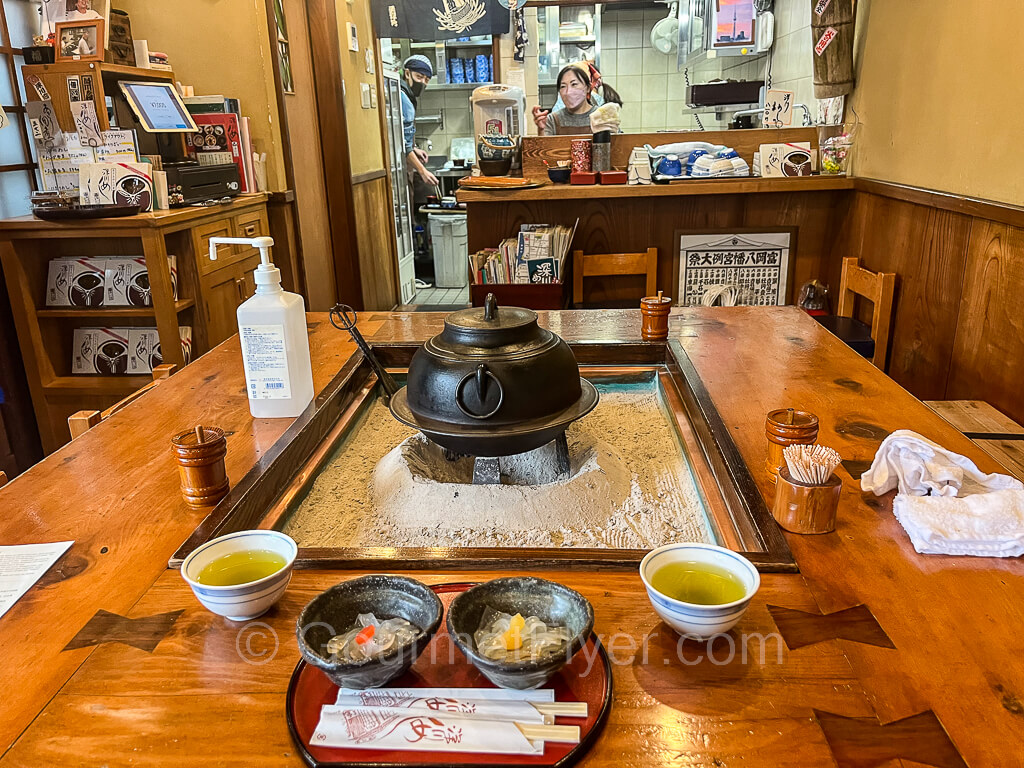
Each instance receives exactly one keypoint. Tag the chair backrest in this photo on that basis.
(876, 287)
(603, 264)
(82, 421)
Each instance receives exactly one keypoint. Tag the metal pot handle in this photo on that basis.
(481, 374)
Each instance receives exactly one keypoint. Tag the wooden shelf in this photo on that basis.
(179, 218)
(86, 384)
(117, 71)
(114, 312)
(747, 185)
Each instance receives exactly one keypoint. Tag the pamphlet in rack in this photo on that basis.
(536, 255)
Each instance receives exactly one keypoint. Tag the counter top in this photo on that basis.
(871, 652)
(747, 185)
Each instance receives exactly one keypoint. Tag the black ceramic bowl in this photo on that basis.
(334, 612)
(551, 602)
(495, 167)
(559, 175)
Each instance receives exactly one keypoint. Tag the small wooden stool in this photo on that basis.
(995, 433)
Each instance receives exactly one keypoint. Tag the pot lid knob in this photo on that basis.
(490, 307)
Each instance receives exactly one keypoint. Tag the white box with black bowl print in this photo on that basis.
(103, 351)
(75, 282)
(144, 353)
(128, 285)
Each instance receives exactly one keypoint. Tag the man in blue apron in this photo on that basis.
(416, 73)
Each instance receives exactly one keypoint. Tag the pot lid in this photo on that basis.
(491, 328)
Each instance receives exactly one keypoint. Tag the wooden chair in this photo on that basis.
(3, 479)
(872, 341)
(81, 422)
(606, 264)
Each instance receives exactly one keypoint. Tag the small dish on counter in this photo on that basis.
(718, 583)
(336, 611)
(559, 175)
(555, 605)
(241, 575)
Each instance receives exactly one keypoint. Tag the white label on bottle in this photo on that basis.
(266, 363)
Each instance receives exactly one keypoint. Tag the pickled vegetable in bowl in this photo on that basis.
(504, 637)
(371, 637)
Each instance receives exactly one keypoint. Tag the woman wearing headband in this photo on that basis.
(578, 95)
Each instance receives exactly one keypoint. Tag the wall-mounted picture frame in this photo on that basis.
(80, 40)
(62, 11)
(738, 265)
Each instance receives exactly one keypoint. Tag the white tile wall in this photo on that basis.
(653, 91)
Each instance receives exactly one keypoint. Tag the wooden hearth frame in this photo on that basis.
(737, 512)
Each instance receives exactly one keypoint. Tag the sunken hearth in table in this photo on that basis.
(630, 485)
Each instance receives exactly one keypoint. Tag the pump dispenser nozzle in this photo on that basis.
(267, 274)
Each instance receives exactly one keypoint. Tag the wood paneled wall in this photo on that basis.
(958, 330)
(378, 268)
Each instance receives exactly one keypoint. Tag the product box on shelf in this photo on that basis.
(103, 351)
(127, 281)
(75, 282)
(185, 331)
(144, 353)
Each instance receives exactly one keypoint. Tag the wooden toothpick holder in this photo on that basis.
(803, 508)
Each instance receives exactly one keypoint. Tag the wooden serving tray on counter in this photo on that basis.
(587, 677)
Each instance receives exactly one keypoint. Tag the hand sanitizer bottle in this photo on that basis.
(275, 347)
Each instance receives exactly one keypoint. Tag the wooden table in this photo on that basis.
(872, 652)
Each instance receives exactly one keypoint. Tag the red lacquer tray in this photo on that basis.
(443, 665)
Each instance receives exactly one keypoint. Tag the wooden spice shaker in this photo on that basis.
(803, 508)
(787, 426)
(200, 453)
(654, 311)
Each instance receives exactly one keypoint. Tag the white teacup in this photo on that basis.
(693, 619)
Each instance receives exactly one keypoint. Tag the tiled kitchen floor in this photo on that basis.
(452, 297)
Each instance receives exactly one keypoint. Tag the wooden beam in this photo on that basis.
(327, 76)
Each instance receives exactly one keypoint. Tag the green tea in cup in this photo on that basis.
(698, 583)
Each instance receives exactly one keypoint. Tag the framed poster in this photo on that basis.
(755, 264)
(79, 41)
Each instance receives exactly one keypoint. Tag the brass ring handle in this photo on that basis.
(481, 375)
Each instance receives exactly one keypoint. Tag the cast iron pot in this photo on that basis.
(493, 383)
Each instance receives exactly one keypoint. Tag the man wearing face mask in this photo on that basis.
(416, 73)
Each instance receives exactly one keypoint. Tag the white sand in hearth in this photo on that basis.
(629, 487)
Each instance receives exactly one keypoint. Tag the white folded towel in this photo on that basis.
(915, 465)
(984, 525)
(945, 503)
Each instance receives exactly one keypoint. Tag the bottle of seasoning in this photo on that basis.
(601, 159)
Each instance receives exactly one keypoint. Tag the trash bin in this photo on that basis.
(451, 254)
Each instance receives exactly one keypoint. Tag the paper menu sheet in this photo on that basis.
(21, 566)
